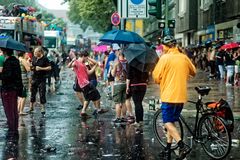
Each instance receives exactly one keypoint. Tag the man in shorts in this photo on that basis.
(172, 73)
(89, 91)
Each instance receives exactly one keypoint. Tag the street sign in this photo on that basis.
(115, 19)
(137, 9)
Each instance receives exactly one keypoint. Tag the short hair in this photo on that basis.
(8, 52)
(84, 53)
(40, 49)
(21, 54)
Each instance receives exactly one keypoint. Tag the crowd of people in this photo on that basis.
(223, 64)
(24, 75)
(123, 81)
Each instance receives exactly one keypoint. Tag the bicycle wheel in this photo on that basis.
(161, 132)
(214, 136)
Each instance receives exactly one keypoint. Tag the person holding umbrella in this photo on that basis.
(12, 87)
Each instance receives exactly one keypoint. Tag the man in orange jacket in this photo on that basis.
(172, 73)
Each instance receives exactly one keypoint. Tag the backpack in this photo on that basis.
(223, 110)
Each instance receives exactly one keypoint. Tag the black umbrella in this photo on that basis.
(9, 43)
(141, 56)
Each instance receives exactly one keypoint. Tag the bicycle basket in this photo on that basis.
(223, 110)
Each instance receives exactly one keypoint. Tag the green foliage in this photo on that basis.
(95, 13)
(10, 3)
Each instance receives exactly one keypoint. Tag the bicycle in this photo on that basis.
(209, 130)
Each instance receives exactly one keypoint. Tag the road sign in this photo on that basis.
(115, 19)
(137, 9)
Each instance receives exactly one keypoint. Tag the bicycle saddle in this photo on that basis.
(203, 90)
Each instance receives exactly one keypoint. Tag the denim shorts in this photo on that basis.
(171, 111)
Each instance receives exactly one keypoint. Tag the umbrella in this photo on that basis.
(9, 43)
(230, 46)
(141, 56)
(121, 36)
(102, 48)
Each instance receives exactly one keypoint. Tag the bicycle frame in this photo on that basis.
(198, 105)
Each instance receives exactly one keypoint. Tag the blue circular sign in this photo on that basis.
(137, 1)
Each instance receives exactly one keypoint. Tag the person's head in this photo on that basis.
(7, 52)
(38, 52)
(169, 41)
(84, 55)
(21, 54)
(115, 47)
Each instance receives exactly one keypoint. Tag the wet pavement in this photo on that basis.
(61, 134)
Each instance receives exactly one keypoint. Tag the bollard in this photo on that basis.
(235, 143)
(151, 103)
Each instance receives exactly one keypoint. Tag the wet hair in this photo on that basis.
(84, 53)
(21, 54)
(8, 52)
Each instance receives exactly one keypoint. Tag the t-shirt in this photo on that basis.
(111, 57)
(2, 59)
(42, 62)
(80, 70)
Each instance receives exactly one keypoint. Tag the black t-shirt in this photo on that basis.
(135, 76)
(229, 59)
(42, 62)
(220, 58)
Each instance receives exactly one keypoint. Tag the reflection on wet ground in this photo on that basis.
(61, 134)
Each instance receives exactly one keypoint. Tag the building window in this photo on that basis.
(182, 7)
(205, 4)
(225, 33)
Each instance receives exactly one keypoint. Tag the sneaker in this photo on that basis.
(165, 155)
(101, 111)
(184, 151)
(139, 130)
(123, 120)
(79, 107)
(30, 110)
(23, 114)
(117, 120)
(43, 110)
(228, 84)
(130, 119)
(85, 115)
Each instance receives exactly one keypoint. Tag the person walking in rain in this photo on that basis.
(11, 88)
(89, 91)
(172, 73)
(40, 66)
(25, 68)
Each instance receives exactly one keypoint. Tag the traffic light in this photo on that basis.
(171, 23)
(157, 10)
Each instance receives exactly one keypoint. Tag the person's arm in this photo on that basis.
(71, 63)
(92, 70)
(158, 70)
(114, 69)
(26, 65)
(127, 86)
(47, 68)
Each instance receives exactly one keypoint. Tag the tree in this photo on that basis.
(10, 3)
(95, 13)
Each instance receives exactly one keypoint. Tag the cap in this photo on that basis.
(115, 46)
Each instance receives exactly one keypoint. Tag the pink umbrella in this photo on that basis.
(102, 48)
